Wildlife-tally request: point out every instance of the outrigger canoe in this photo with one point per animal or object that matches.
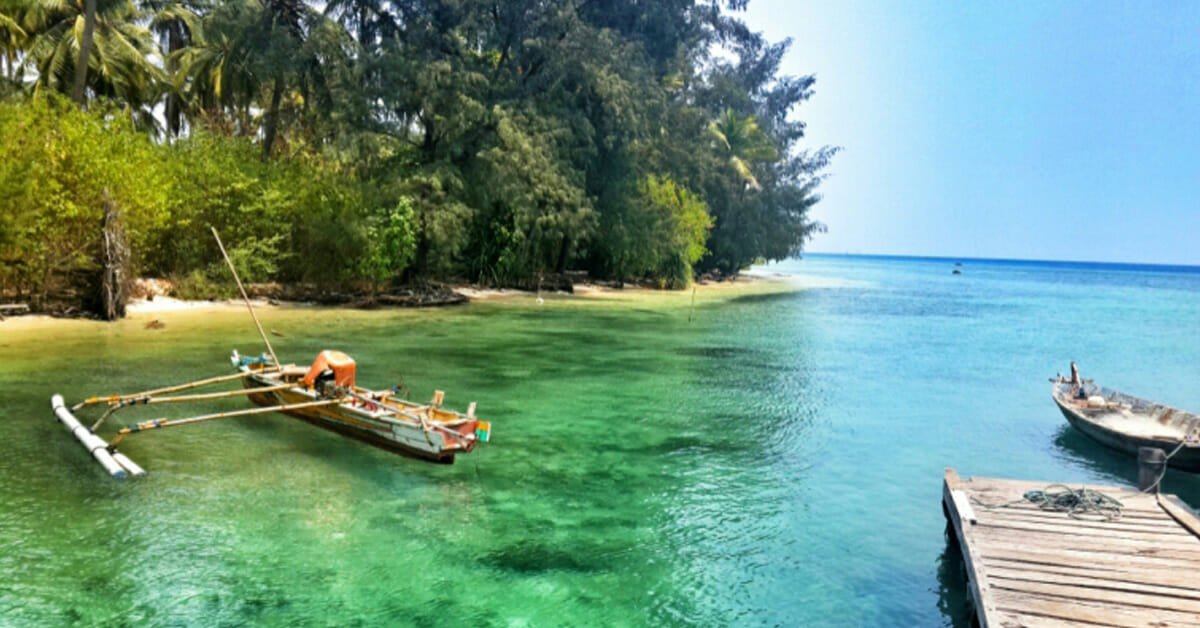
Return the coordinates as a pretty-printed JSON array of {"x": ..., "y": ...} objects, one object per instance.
[
  {"x": 324, "y": 393},
  {"x": 1126, "y": 423},
  {"x": 423, "y": 430}
]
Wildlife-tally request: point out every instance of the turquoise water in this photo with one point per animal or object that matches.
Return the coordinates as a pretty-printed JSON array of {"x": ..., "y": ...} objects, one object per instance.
[{"x": 776, "y": 459}]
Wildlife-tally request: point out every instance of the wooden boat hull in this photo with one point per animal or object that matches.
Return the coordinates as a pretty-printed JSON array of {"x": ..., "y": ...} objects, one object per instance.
[
  {"x": 1126, "y": 429},
  {"x": 372, "y": 427}
]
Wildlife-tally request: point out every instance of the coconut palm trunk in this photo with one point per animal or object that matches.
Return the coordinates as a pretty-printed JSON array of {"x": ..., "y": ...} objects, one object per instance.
[{"x": 85, "y": 50}]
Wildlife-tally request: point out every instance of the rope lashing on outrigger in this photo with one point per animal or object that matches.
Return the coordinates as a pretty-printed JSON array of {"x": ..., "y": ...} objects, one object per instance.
[{"x": 1077, "y": 503}]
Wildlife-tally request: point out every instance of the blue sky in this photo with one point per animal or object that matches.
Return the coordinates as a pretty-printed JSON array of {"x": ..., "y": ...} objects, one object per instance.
[{"x": 1036, "y": 130}]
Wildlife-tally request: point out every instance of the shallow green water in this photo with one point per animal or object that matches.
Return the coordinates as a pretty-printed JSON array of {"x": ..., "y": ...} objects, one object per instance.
[{"x": 777, "y": 460}]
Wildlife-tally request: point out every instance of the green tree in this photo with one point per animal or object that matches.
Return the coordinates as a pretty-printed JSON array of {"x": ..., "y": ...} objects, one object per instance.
[
  {"x": 58, "y": 173},
  {"x": 13, "y": 42},
  {"x": 391, "y": 243},
  {"x": 740, "y": 141},
  {"x": 255, "y": 54},
  {"x": 353, "y": 140},
  {"x": 122, "y": 58},
  {"x": 174, "y": 23},
  {"x": 661, "y": 235}
]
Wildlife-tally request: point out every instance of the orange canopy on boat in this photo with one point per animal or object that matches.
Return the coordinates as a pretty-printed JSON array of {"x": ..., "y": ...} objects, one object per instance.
[{"x": 342, "y": 365}]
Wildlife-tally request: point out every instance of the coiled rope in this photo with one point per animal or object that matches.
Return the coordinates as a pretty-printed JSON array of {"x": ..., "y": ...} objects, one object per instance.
[{"x": 1079, "y": 503}]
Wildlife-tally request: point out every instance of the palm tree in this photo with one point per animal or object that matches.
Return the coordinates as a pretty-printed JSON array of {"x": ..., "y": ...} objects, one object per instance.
[
  {"x": 216, "y": 74},
  {"x": 253, "y": 52},
  {"x": 85, "y": 50},
  {"x": 370, "y": 20},
  {"x": 741, "y": 140},
  {"x": 119, "y": 52},
  {"x": 176, "y": 24},
  {"x": 13, "y": 40}
]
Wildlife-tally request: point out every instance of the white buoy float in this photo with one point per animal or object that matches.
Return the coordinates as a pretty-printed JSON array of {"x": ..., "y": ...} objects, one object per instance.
[{"x": 118, "y": 465}]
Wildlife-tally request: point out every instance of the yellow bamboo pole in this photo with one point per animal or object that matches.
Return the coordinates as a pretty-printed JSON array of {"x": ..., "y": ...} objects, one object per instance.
[
  {"x": 182, "y": 398},
  {"x": 160, "y": 423},
  {"x": 91, "y": 401},
  {"x": 245, "y": 298},
  {"x": 216, "y": 395}
]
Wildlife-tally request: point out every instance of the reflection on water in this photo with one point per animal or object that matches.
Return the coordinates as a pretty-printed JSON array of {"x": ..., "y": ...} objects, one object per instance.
[
  {"x": 954, "y": 593},
  {"x": 1114, "y": 467}
]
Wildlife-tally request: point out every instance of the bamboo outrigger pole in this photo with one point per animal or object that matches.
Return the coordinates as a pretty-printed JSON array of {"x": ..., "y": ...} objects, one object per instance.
[
  {"x": 147, "y": 400},
  {"x": 246, "y": 299},
  {"x": 161, "y": 423},
  {"x": 113, "y": 399}
]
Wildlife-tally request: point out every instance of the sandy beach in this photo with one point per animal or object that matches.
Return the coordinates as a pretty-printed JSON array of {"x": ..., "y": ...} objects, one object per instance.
[{"x": 750, "y": 283}]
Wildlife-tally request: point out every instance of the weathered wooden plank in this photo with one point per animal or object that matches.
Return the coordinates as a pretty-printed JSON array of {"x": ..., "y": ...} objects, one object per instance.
[
  {"x": 1127, "y": 516},
  {"x": 963, "y": 505},
  {"x": 1025, "y": 551},
  {"x": 1025, "y": 620},
  {"x": 1180, "y": 512},
  {"x": 1166, "y": 526},
  {"x": 1182, "y": 580},
  {"x": 1025, "y": 507},
  {"x": 1082, "y": 539},
  {"x": 1030, "y": 544},
  {"x": 1119, "y": 598},
  {"x": 984, "y": 610},
  {"x": 1068, "y": 528},
  {"x": 1094, "y": 580},
  {"x": 1085, "y": 613}
]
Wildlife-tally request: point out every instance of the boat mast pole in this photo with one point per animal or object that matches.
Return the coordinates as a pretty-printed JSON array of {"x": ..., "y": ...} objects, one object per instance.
[{"x": 245, "y": 298}]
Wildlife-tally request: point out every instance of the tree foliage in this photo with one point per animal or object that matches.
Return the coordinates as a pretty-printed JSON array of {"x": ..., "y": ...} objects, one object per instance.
[{"x": 433, "y": 138}]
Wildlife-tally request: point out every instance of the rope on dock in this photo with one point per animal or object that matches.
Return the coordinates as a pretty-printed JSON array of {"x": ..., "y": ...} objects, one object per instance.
[{"x": 1077, "y": 503}]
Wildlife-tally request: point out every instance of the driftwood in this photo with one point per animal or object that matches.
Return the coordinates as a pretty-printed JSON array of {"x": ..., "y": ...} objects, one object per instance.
[
  {"x": 13, "y": 309},
  {"x": 552, "y": 282},
  {"x": 413, "y": 299},
  {"x": 429, "y": 295}
]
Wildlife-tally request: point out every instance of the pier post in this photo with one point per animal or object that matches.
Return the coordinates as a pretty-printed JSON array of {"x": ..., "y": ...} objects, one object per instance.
[{"x": 1152, "y": 463}]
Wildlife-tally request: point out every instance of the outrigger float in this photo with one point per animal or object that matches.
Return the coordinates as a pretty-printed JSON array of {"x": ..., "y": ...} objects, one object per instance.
[{"x": 324, "y": 393}]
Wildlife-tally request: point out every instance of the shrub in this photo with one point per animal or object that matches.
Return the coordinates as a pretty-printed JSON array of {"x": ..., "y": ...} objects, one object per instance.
[{"x": 59, "y": 166}]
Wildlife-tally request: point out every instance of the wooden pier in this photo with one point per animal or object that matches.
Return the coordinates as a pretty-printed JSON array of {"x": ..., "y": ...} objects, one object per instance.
[{"x": 1031, "y": 567}]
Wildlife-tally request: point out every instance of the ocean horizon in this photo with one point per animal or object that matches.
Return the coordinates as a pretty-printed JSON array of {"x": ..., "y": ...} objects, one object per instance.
[{"x": 1080, "y": 264}]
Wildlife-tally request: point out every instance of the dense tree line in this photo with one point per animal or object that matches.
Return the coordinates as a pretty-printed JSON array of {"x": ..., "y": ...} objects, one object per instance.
[{"x": 372, "y": 140}]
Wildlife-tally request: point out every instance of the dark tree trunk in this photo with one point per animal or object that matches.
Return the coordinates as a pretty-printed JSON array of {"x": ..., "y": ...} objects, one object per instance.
[
  {"x": 174, "y": 108},
  {"x": 114, "y": 265},
  {"x": 564, "y": 251},
  {"x": 272, "y": 118},
  {"x": 85, "y": 50}
]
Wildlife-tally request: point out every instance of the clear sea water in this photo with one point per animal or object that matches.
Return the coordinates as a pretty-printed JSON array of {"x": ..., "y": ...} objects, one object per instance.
[{"x": 763, "y": 457}]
